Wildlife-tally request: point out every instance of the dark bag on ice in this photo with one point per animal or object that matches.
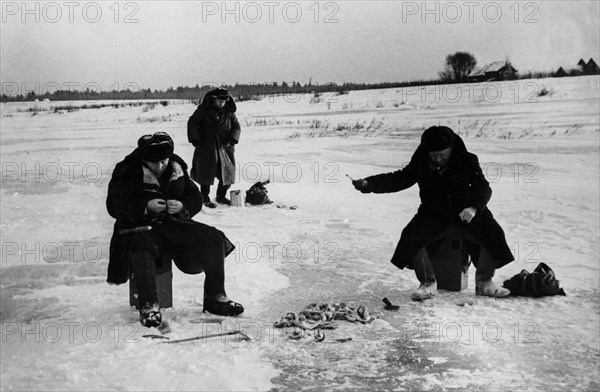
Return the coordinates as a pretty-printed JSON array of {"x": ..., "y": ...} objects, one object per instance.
[
  {"x": 541, "y": 282},
  {"x": 257, "y": 194}
]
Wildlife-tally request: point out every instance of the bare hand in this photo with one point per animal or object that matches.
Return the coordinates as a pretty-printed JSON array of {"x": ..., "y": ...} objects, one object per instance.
[
  {"x": 468, "y": 214},
  {"x": 174, "y": 206},
  {"x": 360, "y": 185},
  {"x": 156, "y": 206}
]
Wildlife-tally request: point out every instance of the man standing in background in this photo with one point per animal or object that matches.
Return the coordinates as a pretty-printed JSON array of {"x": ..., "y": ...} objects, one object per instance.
[{"x": 214, "y": 131}]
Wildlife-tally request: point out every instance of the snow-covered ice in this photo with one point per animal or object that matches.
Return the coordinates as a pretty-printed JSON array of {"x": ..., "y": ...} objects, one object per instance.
[{"x": 64, "y": 328}]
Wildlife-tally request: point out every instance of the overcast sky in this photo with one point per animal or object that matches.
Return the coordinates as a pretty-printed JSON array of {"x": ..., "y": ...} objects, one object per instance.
[{"x": 192, "y": 42}]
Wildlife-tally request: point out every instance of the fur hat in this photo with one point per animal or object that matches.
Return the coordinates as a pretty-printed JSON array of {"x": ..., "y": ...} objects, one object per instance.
[
  {"x": 154, "y": 148},
  {"x": 437, "y": 138},
  {"x": 220, "y": 93}
]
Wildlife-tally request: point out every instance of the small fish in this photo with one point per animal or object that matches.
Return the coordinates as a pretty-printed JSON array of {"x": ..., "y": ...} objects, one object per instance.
[
  {"x": 296, "y": 334},
  {"x": 291, "y": 316},
  {"x": 325, "y": 325},
  {"x": 343, "y": 340},
  {"x": 154, "y": 336},
  {"x": 319, "y": 335},
  {"x": 363, "y": 313}
]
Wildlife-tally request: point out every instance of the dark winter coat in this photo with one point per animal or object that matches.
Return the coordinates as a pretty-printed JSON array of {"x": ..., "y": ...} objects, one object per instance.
[
  {"x": 443, "y": 197},
  {"x": 130, "y": 189},
  {"x": 214, "y": 133}
]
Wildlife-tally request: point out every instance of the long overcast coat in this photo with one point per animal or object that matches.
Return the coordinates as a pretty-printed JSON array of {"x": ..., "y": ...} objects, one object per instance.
[
  {"x": 130, "y": 189},
  {"x": 214, "y": 133},
  {"x": 443, "y": 197}
]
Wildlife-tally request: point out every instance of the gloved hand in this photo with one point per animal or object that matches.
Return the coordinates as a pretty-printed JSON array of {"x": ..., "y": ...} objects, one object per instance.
[
  {"x": 468, "y": 214},
  {"x": 361, "y": 185},
  {"x": 174, "y": 206},
  {"x": 156, "y": 206}
]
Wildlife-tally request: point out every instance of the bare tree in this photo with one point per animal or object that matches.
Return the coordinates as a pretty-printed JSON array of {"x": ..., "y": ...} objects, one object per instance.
[
  {"x": 446, "y": 75},
  {"x": 459, "y": 65}
]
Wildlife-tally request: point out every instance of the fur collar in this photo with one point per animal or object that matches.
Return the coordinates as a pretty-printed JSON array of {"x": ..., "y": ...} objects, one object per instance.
[{"x": 150, "y": 177}]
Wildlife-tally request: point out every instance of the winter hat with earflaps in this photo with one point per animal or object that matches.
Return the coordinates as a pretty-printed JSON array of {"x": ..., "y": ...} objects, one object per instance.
[
  {"x": 437, "y": 138},
  {"x": 154, "y": 148},
  {"x": 220, "y": 93}
]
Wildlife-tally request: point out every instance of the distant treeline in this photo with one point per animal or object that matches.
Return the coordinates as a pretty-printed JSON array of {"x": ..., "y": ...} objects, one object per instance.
[{"x": 241, "y": 92}]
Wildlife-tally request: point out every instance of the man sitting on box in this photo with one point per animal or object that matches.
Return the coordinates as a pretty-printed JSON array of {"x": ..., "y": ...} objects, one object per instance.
[
  {"x": 151, "y": 188},
  {"x": 454, "y": 193}
]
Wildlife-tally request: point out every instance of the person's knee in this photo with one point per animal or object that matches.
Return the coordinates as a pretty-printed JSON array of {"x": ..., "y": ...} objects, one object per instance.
[{"x": 190, "y": 264}]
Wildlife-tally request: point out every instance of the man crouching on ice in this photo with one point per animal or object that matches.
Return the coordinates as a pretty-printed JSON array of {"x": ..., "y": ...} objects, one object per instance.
[
  {"x": 454, "y": 194},
  {"x": 151, "y": 187}
]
